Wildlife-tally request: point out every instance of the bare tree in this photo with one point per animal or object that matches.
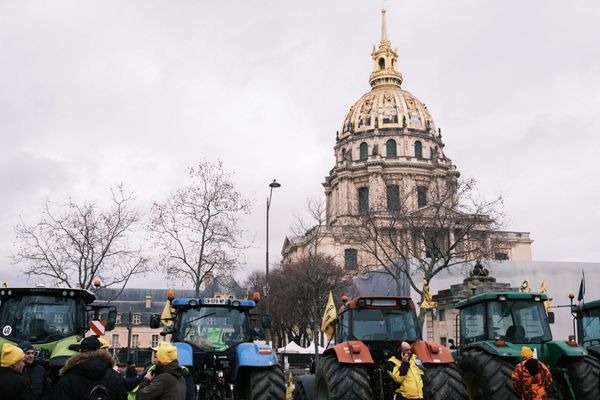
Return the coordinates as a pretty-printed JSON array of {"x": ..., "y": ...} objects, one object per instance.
[
  {"x": 197, "y": 228},
  {"x": 452, "y": 226},
  {"x": 315, "y": 227},
  {"x": 298, "y": 307},
  {"x": 81, "y": 242}
]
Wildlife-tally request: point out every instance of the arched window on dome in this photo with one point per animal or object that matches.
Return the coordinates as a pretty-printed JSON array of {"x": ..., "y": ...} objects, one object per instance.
[
  {"x": 364, "y": 151},
  {"x": 418, "y": 150},
  {"x": 393, "y": 197},
  {"x": 343, "y": 154},
  {"x": 391, "y": 148},
  {"x": 381, "y": 63}
]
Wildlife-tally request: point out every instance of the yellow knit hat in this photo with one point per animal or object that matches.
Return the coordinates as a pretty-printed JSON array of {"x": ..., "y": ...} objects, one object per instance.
[
  {"x": 526, "y": 352},
  {"x": 166, "y": 354},
  {"x": 103, "y": 342},
  {"x": 11, "y": 355}
]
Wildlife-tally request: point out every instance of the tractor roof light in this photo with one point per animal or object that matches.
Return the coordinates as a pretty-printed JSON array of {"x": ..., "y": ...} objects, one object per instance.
[
  {"x": 193, "y": 303},
  {"x": 502, "y": 297},
  {"x": 256, "y": 297},
  {"x": 170, "y": 294},
  {"x": 500, "y": 343},
  {"x": 537, "y": 298},
  {"x": 71, "y": 293},
  {"x": 344, "y": 299},
  {"x": 235, "y": 303},
  {"x": 64, "y": 293},
  {"x": 571, "y": 342},
  {"x": 265, "y": 351},
  {"x": 2, "y": 292},
  {"x": 361, "y": 303}
]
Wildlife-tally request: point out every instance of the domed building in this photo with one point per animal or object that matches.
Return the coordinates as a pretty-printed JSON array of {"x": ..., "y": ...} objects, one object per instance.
[{"x": 389, "y": 155}]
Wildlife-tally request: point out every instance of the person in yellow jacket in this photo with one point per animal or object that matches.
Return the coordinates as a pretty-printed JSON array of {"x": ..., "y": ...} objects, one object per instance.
[{"x": 405, "y": 368}]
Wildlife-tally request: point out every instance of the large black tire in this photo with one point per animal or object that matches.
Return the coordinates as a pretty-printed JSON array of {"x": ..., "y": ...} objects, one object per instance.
[
  {"x": 337, "y": 381},
  {"x": 299, "y": 392},
  {"x": 444, "y": 382},
  {"x": 487, "y": 377},
  {"x": 584, "y": 374},
  {"x": 266, "y": 384}
]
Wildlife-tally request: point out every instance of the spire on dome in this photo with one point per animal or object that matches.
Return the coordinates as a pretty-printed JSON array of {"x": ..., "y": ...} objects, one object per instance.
[
  {"x": 384, "y": 35},
  {"x": 384, "y": 61}
]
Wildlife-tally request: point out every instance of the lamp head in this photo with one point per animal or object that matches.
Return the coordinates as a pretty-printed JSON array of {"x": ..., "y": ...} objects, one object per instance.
[{"x": 274, "y": 184}]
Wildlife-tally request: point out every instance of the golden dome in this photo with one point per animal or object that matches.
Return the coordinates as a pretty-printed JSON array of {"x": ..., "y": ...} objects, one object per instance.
[{"x": 387, "y": 105}]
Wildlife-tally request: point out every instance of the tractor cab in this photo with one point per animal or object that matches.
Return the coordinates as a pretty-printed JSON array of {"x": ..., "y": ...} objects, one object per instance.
[
  {"x": 379, "y": 322},
  {"x": 510, "y": 317},
  {"x": 213, "y": 325},
  {"x": 52, "y": 319},
  {"x": 588, "y": 326}
]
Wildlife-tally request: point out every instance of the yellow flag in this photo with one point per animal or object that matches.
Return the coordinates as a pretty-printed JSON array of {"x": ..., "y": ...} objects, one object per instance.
[
  {"x": 427, "y": 297},
  {"x": 544, "y": 290},
  {"x": 166, "y": 317},
  {"x": 289, "y": 391},
  {"x": 329, "y": 317}
]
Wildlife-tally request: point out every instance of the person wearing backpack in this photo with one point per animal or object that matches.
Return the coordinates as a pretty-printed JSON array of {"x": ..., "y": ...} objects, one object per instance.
[
  {"x": 166, "y": 381},
  {"x": 89, "y": 375}
]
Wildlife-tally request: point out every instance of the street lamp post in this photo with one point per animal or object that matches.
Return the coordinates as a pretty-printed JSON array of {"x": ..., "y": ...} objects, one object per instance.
[{"x": 272, "y": 185}]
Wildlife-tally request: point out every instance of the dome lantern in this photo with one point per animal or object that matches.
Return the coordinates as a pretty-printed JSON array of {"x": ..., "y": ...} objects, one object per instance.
[{"x": 385, "y": 61}]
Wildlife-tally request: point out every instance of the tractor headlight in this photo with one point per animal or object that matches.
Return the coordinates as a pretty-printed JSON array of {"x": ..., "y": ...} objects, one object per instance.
[
  {"x": 235, "y": 303},
  {"x": 193, "y": 303}
]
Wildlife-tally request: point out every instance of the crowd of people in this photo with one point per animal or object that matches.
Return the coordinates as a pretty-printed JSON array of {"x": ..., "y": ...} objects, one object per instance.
[{"x": 91, "y": 373}]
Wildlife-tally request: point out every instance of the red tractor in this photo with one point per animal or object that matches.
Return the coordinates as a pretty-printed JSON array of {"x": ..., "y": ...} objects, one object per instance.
[{"x": 367, "y": 330}]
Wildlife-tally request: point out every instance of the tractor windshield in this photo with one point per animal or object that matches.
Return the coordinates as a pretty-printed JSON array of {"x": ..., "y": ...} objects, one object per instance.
[
  {"x": 214, "y": 328},
  {"x": 518, "y": 321},
  {"x": 591, "y": 327},
  {"x": 39, "y": 319},
  {"x": 380, "y": 324}
]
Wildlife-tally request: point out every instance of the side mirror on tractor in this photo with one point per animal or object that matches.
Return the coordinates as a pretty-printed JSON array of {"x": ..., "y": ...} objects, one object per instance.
[
  {"x": 265, "y": 321},
  {"x": 155, "y": 321},
  {"x": 111, "y": 320},
  {"x": 550, "y": 317}
]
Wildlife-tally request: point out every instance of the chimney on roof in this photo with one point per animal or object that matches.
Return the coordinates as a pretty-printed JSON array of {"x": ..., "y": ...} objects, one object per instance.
[{"x": 148, "y": 301}]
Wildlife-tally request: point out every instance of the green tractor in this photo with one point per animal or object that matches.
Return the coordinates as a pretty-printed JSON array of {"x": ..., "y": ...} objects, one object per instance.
[
  {"x": 588, "y": 326},
  {"x": 52, "y": 319},
  {"x": 494, "y": 327}
]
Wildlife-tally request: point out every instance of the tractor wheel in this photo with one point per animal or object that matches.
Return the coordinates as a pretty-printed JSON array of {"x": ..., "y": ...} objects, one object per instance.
[
  {"x": 299, "y": 392},
  {"x": 487, "y": 377},
  {"x": 584, "y": 374},
  {"x": 444, "y": 382},
  {"x": 337, "y": 381},
  {"x": 266, "y": 384}
]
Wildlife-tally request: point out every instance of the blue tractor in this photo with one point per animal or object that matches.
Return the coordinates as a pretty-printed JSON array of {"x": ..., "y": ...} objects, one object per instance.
[{"x": 214, "y": 337}]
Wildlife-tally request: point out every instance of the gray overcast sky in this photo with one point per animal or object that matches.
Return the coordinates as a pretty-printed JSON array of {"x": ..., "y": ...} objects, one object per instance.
[{"x": 94, "y": 93}]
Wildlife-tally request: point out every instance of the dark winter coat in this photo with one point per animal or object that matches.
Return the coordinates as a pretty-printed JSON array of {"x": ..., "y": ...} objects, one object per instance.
[
  {"x": 85, "y": 370},
  {"x": 37, "y": 377},
  {"x": 14, "y": 386},
  {"x": 168, "y": 384}
]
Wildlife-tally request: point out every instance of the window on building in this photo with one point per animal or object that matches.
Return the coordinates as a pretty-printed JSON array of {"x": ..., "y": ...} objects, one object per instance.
[
  {"x": 501, "y": 256},
  {"x": 363, "y": 200},
  {"x": 343, "y": 154},
  {"x": 443, "y": 341},
  {"x": 58, "y": 318},
  {"x": 154, "y": 341},
  {"x": 136, "y": 319},
  {"x": 119, "y": 319},
  {"x": 421, "y": 196},
  {"x": 442, "y": 315},
  {"x": 381, "y": 63},
  {"x": 393, "y": 198},
  {"x": 418, "y": 150},
  {"x": 350, "y": 259},
  {"x": 114, "y": 341},
  {"x": 135, "y": 341},
  {"x": 364, "y": 151},
  {"x": 390, "y": 148}
]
